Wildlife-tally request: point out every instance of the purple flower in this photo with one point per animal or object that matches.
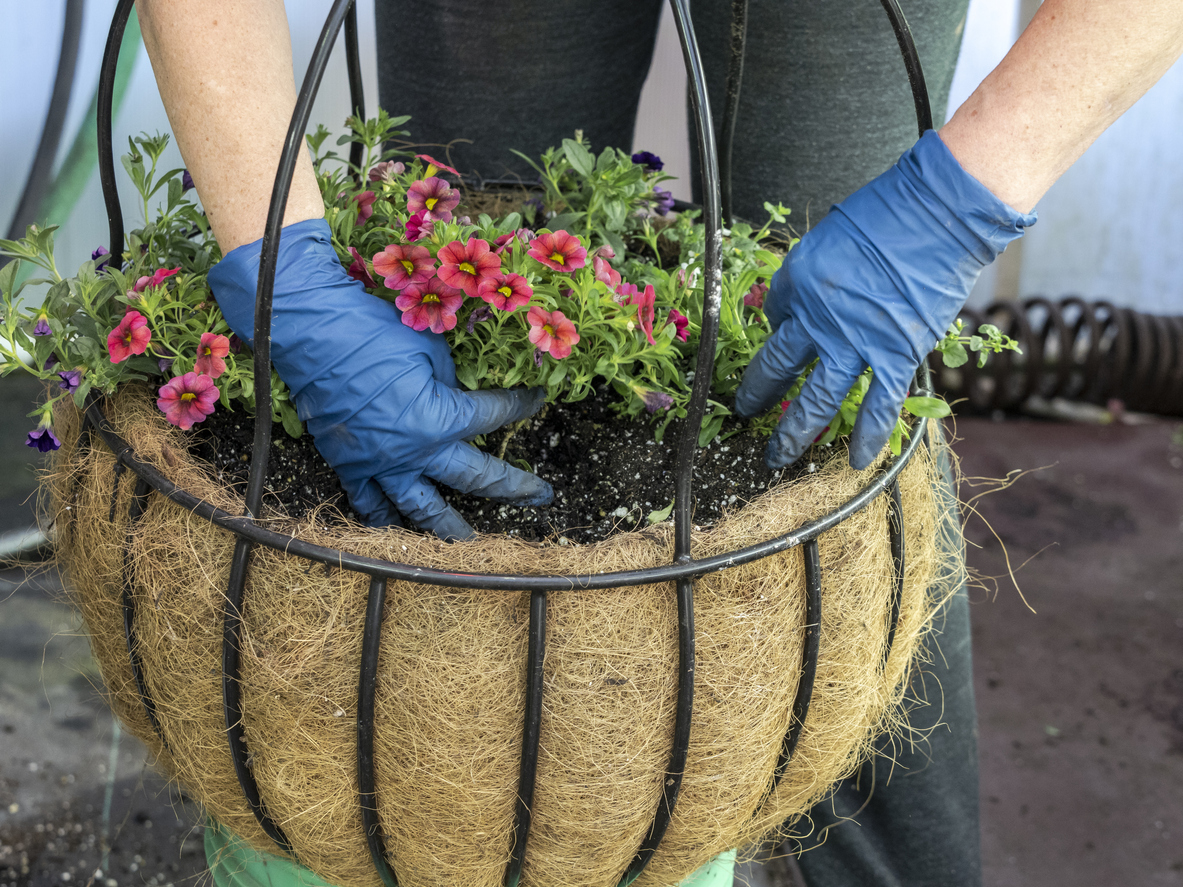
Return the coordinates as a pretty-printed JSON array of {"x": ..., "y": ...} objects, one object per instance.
[
  {"x": 99, "y": 253},
  {"x": 70, "y": 379},
  {"x": 537, "y": 357},
  {"x": 649, "y": 160},
  {"x": 386, "y": 171},
  {"x": 165, "y": 364},
  {"x": 665, "y": 201},
  {"x": 480, "y": 315},
  {"x": 653, "y": 400},
  {"x": 50, "y": 363},
  {"x": 186, "y": 181},
  {"x": 235, "y": 344},
  {"x": 42, "y": 328},
  {"x": 43, "y": 439}
]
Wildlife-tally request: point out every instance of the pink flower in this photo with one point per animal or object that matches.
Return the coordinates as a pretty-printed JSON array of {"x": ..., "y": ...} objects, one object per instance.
[
  {"x": 605, "y": 273},
  {"x": 754, "y": 298},
  {"x": 505, "y": 291},
  {"x": 365, "y": 206},
  {"x": 401, "y": 265},
  {"x": 645, "y": 310},
  {"x": 187, "y": 399},
  {"x": 552, "y": 332},
  {"x": 159, "y": 276},
  {"x": 433, "y": 162},
  {"x": 558, "y": 250},
  {"x": 681, "y": 323},
  {"x": 434, "y": 198},
  {"x": 430, "y": 306},
  {"x": 386, "y": 171},
  {"x": 465, "y": 265},
  {"x": 210, "y": 354},
  {"x": 505, "y": 241},
  {"x": 359, "y": 270},
  {"x": 418, "y": 227},
  {"x": 130, "y": 337}
]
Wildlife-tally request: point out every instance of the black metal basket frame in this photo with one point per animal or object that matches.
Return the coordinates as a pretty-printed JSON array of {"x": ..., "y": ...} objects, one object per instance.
[{"x": 716, "y": 189}]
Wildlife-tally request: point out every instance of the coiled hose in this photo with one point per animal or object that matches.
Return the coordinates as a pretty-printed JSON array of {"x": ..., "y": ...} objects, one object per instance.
[{"x": 1083, "y": 351}]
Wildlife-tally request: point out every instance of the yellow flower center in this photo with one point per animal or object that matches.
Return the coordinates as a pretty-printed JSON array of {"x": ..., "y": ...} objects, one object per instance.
[
  {"x": 430, "y": 297},
  {"x": 558, "y": 258},
  {"x": 409, "y": 265},
  {"x": 467, "y": 268},
  {"x": 205, "y": 352},
  {"x": 430, "y": 202},
  {"x": 505, "y": 291},
  {"x": 548, "y": 329},
  {"x": 188, "y": 396}
]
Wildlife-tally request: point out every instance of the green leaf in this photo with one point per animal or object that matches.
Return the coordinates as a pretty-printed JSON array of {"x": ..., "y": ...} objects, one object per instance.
[
  {"x": 564, "y": 220},
  {"x": 953, "y": 353},
  {"x": 579, "y": 157},
  {"x": 927, "y": 407},
  {"x": 291, "y": 421},
  {"x": 656, "y": 517}
]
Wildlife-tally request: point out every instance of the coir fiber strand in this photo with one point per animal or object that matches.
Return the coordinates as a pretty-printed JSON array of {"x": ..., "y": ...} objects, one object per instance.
[{"x": 450, "y": 698}]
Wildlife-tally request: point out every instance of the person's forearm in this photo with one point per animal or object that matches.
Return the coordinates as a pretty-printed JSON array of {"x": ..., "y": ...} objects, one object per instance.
[
  {"x": 224, "y": 69},
  {"x": 1077, "y": 68}
]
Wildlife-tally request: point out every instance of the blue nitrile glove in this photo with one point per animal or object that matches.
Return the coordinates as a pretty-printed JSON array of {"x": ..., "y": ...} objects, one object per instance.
[
  {"x": 380, "y": 399},
  {"x": 876, "y": 283}
]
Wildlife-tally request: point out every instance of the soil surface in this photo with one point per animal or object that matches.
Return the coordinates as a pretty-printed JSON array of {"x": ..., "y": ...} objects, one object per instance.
[{"x": 609, "y": 474}]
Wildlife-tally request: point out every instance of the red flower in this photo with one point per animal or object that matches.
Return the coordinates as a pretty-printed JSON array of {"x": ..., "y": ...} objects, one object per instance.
[
  {"x": 505, "y": 241},
  {"x": 365, "y": 207},
  {"x": 754, "y": 298},
  {"x": 431, "y": 160},
  {"x": 159, "y": 276},
  {"x": 465, "y": 265},
  {"x": 401, "y": 265},
  {"x": 605, "y": 273},
  {"x": 187, "y": 399},
  {"x": 359, "y": 270},
  {"x": 505, "y": 291},
  {"x": 418, "y": 227},
  {"x": 130, "y": 337},
  {"x": 552, "y": 332},
  {"x": 210, "y": 353},
  {"x": 645, "y": 311},
  {"x": 434, "y": 198},
  {"x": 432, "y": 305},
  {"x": 559, "y": 250},
  {"x": 681, "y": 323}
]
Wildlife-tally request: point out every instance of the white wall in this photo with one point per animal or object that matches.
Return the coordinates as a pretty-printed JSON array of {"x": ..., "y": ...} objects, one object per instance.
[{"x": 1112, "y": 227}]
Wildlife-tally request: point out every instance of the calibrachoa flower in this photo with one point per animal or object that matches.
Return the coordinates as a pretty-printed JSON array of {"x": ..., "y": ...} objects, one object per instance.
[
  {"x": 359, "y": 270},
  {"x": 71, "y": 379},
  {"x": 186, "y": 181},
  {"x": 644, "y": 302},
  {"x": 558, "y": 250},
  {"x": 465, "y": 265},
  {"x": 649, "y": 160},
  {"x": 235, "y": 344},
  {"x": 418, "y": 227},
  {"x": 188, "y": 399},
  {"x": 386, "y": 171},
  {"x": 664, "y": 201},
  {"x": 480, "y": 315},
  {"x": 42, "y": 327},
  {"x": 430, "y": 306},
  {"x": 434, "y": 198},
  {"x": 653, "y": 400},
  {"x": 505, "y": 291},
  {"x": 681, "y": 323},
  {"x": 159, "y": 276},
  {"x": 754, "y": 298},
  {"x": 210, "y": 354},
  {"x": 400, "y": 266},
  {"x": 605, "y": 273},
  {"x": 552, "y": 332},
  {"x": 99, "y": 253},
  {"x": 505, "y": 241},
  {"x": 42, "y": 439},
  {"x": 164, "y": 364},
  {"x": 365, "y": 206},
  {"x": 431, "y": 160},
  {"x": 130, "y": 337}
]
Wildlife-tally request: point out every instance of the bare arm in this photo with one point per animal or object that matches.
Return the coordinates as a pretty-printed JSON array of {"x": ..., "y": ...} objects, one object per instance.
[
  {"x": 1077, "y": 68},
  {"x": 224, "y": 69}
]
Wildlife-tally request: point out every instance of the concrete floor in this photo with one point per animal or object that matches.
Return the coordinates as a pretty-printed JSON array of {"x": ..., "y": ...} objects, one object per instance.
[{"x": 1081, "y": 702}]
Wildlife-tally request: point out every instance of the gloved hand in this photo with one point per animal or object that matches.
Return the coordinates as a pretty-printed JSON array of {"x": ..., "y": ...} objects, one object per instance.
[
  {"x": 876, "y": 283},
  {"x": 380, "y": 399}
]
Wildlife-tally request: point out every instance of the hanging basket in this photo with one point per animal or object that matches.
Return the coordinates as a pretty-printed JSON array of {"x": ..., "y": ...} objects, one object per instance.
[{"x": 449, "y": 701}]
